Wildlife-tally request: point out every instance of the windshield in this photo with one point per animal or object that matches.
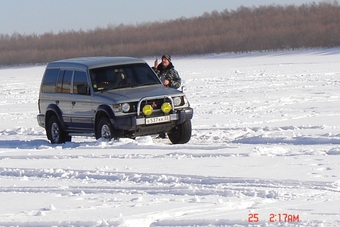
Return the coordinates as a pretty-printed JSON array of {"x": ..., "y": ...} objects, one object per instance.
[{"x": 115, "y": 77}]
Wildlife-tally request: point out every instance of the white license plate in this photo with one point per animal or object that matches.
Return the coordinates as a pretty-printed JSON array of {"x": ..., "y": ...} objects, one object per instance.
[{"x": 155, "y": 120}]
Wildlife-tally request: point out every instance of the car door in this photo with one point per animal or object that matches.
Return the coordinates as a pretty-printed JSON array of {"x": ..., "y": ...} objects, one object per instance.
[
  {"x": 63, "y": 95},
  {"x": 82, "y": 114}
]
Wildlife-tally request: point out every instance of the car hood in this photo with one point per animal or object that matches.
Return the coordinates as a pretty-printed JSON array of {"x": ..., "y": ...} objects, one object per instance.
[{"x": 135, "y": 94}]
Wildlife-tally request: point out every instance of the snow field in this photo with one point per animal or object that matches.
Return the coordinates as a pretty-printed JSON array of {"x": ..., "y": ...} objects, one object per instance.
[{"x": 265, "y": 151}]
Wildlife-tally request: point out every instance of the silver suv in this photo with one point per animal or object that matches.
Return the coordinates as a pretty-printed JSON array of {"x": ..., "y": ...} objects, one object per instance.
[{"x": 110, "y": 97}]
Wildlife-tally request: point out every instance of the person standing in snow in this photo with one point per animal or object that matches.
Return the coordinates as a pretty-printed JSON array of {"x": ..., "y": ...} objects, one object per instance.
[
  {"x": 168, "y": 75},
  {"x": 166, "y": 72}
]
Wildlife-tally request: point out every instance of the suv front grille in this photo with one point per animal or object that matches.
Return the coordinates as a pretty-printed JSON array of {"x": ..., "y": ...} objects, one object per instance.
[{"x": 156, "y": 104}]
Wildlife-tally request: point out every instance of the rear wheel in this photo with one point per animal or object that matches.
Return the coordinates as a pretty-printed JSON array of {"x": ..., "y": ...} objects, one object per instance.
[
  {"x": 54, "y": 131},
  {"x": 181, "y": 133},
  {"x": 104, "y": 129}
]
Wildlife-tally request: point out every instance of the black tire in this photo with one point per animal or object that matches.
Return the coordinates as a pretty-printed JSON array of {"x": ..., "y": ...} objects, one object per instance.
[
  {"x": 54, "y": 131},
  {"x": 104, "y": 129},
  {"x": 181, "y": 133}
]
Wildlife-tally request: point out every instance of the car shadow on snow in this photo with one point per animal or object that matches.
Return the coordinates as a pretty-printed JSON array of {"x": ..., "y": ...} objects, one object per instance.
[{"x": 33, "y": 144}]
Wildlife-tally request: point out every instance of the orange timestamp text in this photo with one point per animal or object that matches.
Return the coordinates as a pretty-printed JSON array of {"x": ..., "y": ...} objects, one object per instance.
[{"x": 280, "y": 217}]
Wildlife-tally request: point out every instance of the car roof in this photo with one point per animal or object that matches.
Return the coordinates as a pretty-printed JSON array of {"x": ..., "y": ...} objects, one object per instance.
[{"x": 93, "y": 62}]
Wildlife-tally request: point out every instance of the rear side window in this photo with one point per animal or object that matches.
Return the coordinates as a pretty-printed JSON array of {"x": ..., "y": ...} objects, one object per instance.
[
  {"x": 64, "y": 81},
  {"x": 49, "y": 82}
]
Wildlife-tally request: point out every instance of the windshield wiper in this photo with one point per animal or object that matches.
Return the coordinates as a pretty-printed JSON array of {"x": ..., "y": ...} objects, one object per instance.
[{"x": 148, "y": 83}]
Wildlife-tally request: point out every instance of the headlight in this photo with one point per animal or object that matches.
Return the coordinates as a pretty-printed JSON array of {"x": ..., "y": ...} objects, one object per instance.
[
  {"x": 125, "y": 107},
  {"x": 166, "y": 107},
  {"x": 177, "y": 101},
  {"x": 147, "y": 110}
]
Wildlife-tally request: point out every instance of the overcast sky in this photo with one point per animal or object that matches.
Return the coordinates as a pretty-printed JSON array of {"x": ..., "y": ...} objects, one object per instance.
[{"x": 40, "y": 16}]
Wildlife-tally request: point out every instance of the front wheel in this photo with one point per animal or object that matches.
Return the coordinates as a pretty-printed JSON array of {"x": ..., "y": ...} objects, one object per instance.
[
  {"x": 104, "y": 129},
  {"x": 181, "y": 133}
]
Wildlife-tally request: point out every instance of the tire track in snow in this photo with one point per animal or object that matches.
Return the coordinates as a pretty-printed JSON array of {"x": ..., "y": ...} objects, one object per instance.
[{"x": 164, "y": 183}]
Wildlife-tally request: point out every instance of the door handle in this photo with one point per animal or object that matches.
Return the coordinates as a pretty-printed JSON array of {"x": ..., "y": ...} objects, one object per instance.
[
  {"x": 73, "y": 103},
  {"x": 57, "y": 102}
]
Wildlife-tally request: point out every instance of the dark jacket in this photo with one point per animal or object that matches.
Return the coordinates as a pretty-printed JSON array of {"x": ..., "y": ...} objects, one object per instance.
[{"x": 168, "y": 73}]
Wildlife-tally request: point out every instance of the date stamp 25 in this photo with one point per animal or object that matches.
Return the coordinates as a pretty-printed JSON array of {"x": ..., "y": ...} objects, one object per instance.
[{"x": 279, "y": 217}]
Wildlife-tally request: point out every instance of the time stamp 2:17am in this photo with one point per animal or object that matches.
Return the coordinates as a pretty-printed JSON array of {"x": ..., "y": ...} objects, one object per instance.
[{"x": 254, "y": 217}]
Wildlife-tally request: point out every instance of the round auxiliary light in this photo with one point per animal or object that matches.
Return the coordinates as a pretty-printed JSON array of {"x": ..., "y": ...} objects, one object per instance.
[
  {"x": 147, "y": 110},
  {"x": 125, "y": 107},
  {"x": 177, "y": 101},
  {"x": 166, "y": 107}
]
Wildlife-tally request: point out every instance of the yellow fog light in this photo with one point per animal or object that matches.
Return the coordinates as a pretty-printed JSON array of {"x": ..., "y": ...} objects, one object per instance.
[
  {"x": 147, "y": 110},
  {"x": 166, "y": 107}
]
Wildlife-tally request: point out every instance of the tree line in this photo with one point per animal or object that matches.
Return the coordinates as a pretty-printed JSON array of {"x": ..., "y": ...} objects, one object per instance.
[{"x": 273, "y": 27}]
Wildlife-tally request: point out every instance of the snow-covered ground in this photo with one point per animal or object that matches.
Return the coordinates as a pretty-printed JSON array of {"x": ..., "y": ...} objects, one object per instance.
[{"x": 265, "y": 151}]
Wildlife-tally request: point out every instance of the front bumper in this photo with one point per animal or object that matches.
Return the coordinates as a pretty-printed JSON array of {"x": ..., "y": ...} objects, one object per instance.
[{"x": 139, "y": 125}]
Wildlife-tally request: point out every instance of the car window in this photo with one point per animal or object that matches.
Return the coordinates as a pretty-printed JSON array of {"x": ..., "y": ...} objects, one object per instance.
[
  {"x": 114, "y": 77},
  {"x": 50, "y": 80},
  {"x": 80, "y": 84},
  {"x": 145, "y": 75},
  {"x": 64, "y": 81}
]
